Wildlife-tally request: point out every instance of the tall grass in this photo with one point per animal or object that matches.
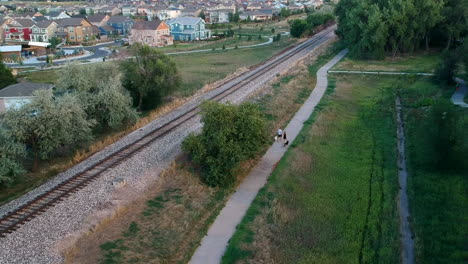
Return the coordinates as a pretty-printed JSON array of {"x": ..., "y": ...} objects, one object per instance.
[{"x": 438, "y": 198}]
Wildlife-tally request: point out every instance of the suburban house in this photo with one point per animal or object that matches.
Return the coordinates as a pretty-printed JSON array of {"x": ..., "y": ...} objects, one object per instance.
[
  {"x": 19, "y": 30},
  {"x": 122, "y": 24},
  {"x": 57, "y": 15},
  {"x": 110, "y": 10},
  {"x": 17, "y": 95},
  {"x": 75, "y": 30},
  {"x": 152, "y": 33},
  {"x": 107, "y": 31},
  {"x": 129, "y": 10},
  {"x": 190, "y": 11},
  {"x": 255, "y": 15},
  {"x": 98, "y": 20},
  {"x": 43, "y": 31},
  {"x": 188, "y": 28},
  {"x": 10, "y": 53},
  {"x": 218, "y": 16},
  {"x": 3, "y": 25}
]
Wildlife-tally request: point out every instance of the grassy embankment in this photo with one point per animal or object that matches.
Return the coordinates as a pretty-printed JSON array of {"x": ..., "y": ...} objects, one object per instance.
[
  {"x": 414, "y": 63},
  {"x": 196, "y": 70},
  {"x": 438, "y": 198},
  {"x": 316, "y": 206},
  {"x": 168, "y": 226}
]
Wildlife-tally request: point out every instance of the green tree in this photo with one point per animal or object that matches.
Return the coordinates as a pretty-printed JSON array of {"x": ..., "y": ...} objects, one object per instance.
[
  {"x": 11, "y": 153},
  {"x": 230, "y": 134},
  {"x": 91, "y": 12},
  {"x": 82, "y": 11},
  {"x": 272, "y": 30},
  {"x": 454, "y": 24},
  {"x": 99, "y": 89},
  {"x": 149, "y": 75},
  {"x": 6, "y": 77},
  {"x": 298, "y": 27},
  {"x": 450, "y": 65},
  {"x": 202, "y": 15},
  {"x": 48, "y": 123}
]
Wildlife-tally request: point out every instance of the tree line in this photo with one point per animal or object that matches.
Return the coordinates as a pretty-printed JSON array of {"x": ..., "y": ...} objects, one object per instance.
[
  {"x": 88, "y": 101},
  {"x": 375, "y": 28},
  {"x": 309, "y": 26}
]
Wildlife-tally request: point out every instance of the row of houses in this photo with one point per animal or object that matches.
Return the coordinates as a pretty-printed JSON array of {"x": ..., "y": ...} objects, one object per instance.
[
  {"x": 216, "y": 11},
  {"x": 70, "y": 29},
  {"x": 162, "y": 33}
]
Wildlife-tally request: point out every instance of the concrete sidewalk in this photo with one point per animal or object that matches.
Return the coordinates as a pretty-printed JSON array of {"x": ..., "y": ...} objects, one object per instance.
[
  {"x": 459, "y": 95},
  {"x": 214, "y": 244}
]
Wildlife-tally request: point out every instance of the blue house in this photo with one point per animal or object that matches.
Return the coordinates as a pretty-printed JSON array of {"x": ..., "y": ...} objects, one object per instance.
[
  {"x": 188, "y": 28},
  {"x": 123, "y": 25}
]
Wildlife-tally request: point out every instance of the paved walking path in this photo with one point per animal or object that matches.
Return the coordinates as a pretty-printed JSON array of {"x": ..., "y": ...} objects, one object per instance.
[
  {"x": 407, "y": 242},
  {"x": 384, "y": 73},
  {"x": 457, "y": 97},
  {"x": 214, "y": 243}
]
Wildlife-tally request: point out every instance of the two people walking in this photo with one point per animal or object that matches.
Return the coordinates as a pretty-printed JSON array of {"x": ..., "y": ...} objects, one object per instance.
[{"x": 282, "y": 135}]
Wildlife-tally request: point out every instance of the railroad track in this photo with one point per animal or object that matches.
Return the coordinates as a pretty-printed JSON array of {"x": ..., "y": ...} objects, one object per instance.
[{"x": 14, "y": 219}]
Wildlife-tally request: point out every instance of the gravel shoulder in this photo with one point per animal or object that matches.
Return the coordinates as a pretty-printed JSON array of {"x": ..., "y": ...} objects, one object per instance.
[{"x": 43, "y": 239}]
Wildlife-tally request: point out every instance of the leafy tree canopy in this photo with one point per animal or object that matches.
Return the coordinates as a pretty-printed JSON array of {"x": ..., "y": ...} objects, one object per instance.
[
  {"x": 149, "y": 76},
  {"x": 230, "y": 135},
  {"x": 48, "y": 123}
]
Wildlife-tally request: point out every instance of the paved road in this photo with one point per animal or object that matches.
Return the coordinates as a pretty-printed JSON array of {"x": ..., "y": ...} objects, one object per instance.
[
  {"x": 457, "y": 97},
  {"x": 99, "y": 53},
  {"x": 214, "y": 244}
]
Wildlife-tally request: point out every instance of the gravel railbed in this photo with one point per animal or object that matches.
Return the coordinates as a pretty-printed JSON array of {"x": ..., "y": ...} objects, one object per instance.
[{"x": 42, "y": 239}]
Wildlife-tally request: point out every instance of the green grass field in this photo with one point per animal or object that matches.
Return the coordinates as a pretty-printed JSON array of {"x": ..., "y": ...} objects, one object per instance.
[
  {"x": 408, "y": 63},
  {"x": 332, "y": 197},
  {"x": 228, "y": 42},
  {"x": 198, "y": 69},
  {"x": 438, "y": 198}
]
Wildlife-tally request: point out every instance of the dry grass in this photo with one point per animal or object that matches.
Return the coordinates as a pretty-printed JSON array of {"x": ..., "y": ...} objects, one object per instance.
[{"x": 179, "y": 206}]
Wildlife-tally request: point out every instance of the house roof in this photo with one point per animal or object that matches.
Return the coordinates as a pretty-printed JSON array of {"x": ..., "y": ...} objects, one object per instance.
[
  {"x": 39, "y": 18},
  {"x": 184, "y": 20},
  {"x": 44, "y": 24},
  {"x": 118, "y": 19},
  {"x": 23, "y": 89},
  {"x": 146, "y": 25},
  {"x": 25, "y": 22},
  {"x": 96, "y": 18},
  {"x": 74, "y": 21},
  {"x": 107, "y": 28},
  {"x": 54, "y": 13},
  {"x": 10, "y": 48}
]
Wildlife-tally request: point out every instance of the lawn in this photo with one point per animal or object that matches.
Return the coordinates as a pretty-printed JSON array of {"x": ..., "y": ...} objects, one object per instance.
[
  {"x": 418, "y": 62},
  {"x": 198, "y": 69},
  {"x": 47, "y": 76},
  {"x": 168, "y": 226},
  {"x": 331, "y": 198},
  {"x": 218, "y": 44},
  {"x": 438, "y": 197}
]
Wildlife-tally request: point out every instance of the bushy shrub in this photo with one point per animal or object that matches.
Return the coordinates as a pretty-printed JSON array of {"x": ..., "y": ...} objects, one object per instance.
[{"x": 230, "y": 135}]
